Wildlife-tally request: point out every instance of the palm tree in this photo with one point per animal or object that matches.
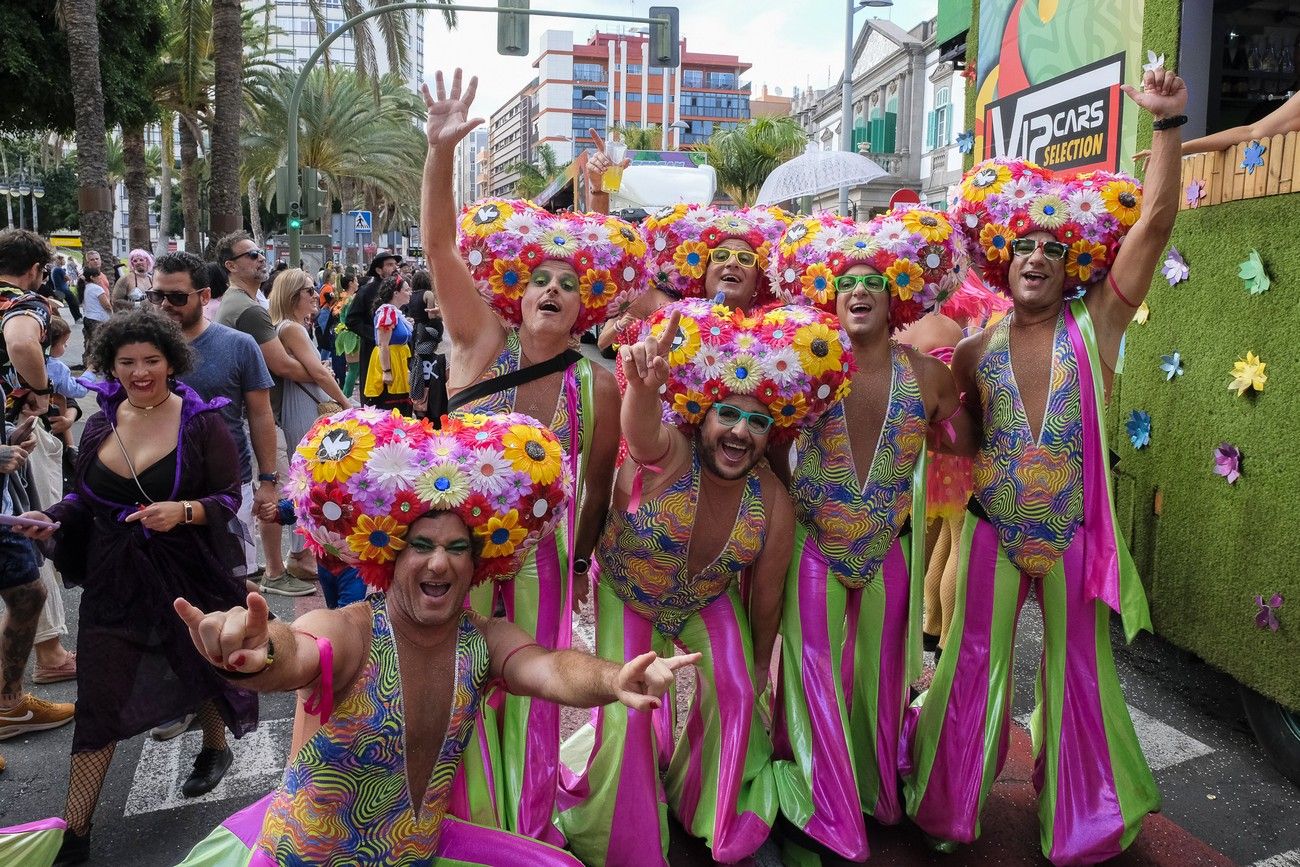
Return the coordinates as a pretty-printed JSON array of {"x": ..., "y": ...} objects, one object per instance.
[
  {"x": 228, "y": 62},
  {"x": 81, "y": 24},
  {"x": 535, "y": 177},
  {"x": 637, "y": 138},
  {"x": 394, "y": 31},
  {"x": 743, "y": 157}
]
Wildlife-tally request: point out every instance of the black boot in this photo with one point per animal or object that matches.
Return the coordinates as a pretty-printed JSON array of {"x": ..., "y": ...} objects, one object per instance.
[
  {"x": 75, "y": 848},
  {"x": 209, "y": 767}
]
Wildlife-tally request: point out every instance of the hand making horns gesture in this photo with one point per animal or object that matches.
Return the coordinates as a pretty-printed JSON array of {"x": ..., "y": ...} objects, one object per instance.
[{"x": 235, "y": 640}]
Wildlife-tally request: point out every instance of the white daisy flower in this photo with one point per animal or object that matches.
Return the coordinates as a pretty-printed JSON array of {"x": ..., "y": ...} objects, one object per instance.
[
  {"x": 1019, "y": 191},
  {"x": 393, "y": 466},
  {"x": 1085, "y": 205},
  {"x": 525, "y": 226},
  {"x": 783, "y": 366},
  {"x": 488, "y": 470}
]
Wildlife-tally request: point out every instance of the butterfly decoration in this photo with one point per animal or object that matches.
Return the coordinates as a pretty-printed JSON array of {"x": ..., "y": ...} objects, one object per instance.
[
  {"x": 1253, "y": 274},
  {"x": 1266, "y": 617},
  {"x": 1227, "y": 462},
  {"x": 1172, "y": 365},
  {"x": 1175, "y": 268},
  {"x": 1139, "y": 428},
  {"x": 1253, "y": 157},
  {"x": 1194, "y": 193},
  {"x": 966, "y": 141}
]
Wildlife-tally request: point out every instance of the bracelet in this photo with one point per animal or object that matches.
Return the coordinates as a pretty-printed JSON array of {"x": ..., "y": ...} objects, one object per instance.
[
  {"x": 189, "y": 511},
  {"x": 1110, "y": 277},
  {"x": 581, "y": 566},
  {"x": 510, "y": 656},
  {"x": 1173, "y": 122},
  {"x": 270, "y": 660},
  {"x": 268, "y": 477}
]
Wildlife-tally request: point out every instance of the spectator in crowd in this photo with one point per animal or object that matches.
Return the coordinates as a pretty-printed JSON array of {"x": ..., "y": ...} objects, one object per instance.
[
  {"x": 67, "y": 391},
  {"x": 347, "y": 342},
  {"x": 59, "y": 278},
  {"x": 128, "y": 291},
  {"x": 360, "y": 317},
  {"x": 151, "y": 518},
  {"x": 428, "y": 365},
  {"x": 388, "y": 377},
  {"x": 218, "y": 282},
  {"x": 97, "y": 307}
]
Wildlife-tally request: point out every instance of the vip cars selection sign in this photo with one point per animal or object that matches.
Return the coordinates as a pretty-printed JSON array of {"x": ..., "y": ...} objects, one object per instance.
[{"x": 1069, "y": 122}]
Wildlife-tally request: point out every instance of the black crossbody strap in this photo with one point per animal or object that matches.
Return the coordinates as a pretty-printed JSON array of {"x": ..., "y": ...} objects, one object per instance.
[{"x": 514, "y": 379}]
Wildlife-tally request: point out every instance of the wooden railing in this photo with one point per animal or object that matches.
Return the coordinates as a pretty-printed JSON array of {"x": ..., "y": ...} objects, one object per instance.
[{"x": 1224, "y": 176}]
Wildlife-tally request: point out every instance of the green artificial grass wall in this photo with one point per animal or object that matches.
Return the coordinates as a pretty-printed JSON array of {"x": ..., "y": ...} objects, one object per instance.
[{"x": 1215, "y": 546}]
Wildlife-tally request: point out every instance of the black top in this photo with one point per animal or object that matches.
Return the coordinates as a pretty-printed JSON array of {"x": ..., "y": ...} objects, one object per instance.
[{"x": 156, "y": 480}]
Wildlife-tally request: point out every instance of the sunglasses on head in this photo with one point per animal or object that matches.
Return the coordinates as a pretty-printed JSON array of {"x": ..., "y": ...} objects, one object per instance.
[
  {"x": 175, "y": 299},
  {"x": 877, "y": 284},
  {"x": 723, "y": 255},
  {"x": 1027, "y": 246},
  {"x": 730, "y": 416}
]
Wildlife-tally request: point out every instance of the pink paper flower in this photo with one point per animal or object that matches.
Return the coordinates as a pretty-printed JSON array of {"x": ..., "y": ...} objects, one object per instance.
[{"x": 1227, "y": 462}]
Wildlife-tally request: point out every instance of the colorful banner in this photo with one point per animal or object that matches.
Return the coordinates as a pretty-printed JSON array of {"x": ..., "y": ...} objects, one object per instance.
[{"x": 1047, "y": 81}]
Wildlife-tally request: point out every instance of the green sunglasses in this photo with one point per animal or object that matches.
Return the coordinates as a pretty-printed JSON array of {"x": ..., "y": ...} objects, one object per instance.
[
  {"x": 1051, "y": 249},
  {"x": 877, "y": 284},
  {"x": 730, "y": 416}
]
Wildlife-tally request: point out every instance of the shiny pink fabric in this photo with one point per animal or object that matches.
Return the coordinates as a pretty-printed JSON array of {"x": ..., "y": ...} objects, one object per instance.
[{"x": 461, "y": 841}]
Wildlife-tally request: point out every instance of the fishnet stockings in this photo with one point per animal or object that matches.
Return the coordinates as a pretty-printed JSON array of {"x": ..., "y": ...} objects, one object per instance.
[
  {"x": 85, "y": 780},
  {"x": 214, "y": 727}
]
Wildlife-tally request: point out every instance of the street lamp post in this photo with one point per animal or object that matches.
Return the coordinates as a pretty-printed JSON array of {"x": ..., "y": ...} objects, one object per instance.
[
  {"x": 846, "y": 84},
  {"x": 9, "y": 206},
  {"x": 38, "y": 191}
]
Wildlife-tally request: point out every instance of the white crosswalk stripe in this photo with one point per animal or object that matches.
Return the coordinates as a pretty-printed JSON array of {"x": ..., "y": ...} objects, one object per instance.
[
  {"x": 1163, "y": 745},
  {"x": 1286, "y": 859}
]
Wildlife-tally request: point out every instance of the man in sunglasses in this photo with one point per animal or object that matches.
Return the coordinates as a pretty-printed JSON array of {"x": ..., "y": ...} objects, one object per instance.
[
  {"x": 692, "y": 510},
  {"x": 1042, "y": 518}
]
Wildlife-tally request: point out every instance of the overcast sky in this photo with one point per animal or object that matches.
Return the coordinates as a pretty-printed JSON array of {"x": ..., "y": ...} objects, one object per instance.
[{"x": 790, "y": 44}]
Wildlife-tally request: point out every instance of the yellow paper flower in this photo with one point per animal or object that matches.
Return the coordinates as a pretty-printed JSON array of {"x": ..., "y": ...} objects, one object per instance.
[
  {"x": 377, "y": 539},
  {"x": 691, "y": 258},
  {"x": 1248, "y": 374},
  {"x": 1143, "y": 314},
  {"x": 336, "y": 451},
  {"x": 906, "y": 277},
  {"x": 818, "y": 283},
  {"x": 530, "y": 452},
  {"x": 1049, "y": 212},
  {"x": 559, "y": 244},
  {"x": 486, "y": 219},
  {"x": 685, "y": 343},
  {"x": 1082, "y": 257},
  {"x": 472, "y": 419},
  {"x": 595, "y": 287},
  {"x": 932, "y": 226},
  {"x": 501, "y": 534},
  {"x": 509, "y": 277},
  {"x": 1124, "y": 200},
  {"x": 985, "y": 182},
  {"x": 798, "y": 235},
  {"x": 628, "y": 240},
  {"x": 443, "y": 486},
  {"x": 691, "y": 406},
  {"x": 818, "y": 347},
  {"x": 996, "y": 241}
]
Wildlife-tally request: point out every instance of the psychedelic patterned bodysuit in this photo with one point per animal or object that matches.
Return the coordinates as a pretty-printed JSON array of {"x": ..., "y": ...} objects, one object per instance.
[
  {"x": 855, "y": 526},
  {"x": 504, "y": 401},
  {"x": 643, "y": 555},
  {"x": 1031, "y": 491},
  {"x": 345, "y": 797}
]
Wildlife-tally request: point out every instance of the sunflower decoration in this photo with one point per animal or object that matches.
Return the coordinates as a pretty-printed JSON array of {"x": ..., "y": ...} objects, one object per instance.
[
  {"x": 1002, "y": 200},
  {"x": 508, "y": 506},
  {"x": 780, "y": 356},
  {"x": 915, "y": 247},
  {"x": 681, "y": 238},
  {"x": 504, "y": 242}
]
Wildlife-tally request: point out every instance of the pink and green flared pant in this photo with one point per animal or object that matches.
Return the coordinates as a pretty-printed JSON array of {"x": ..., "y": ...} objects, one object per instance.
[
  {"x": 1093, "y": 782},
  {"x": 719, "y": 783}
]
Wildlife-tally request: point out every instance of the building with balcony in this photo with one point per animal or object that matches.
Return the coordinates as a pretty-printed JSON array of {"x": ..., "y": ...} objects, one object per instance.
[
  {"x": 512, "y": 138},
  {"x": 888, "y": 111},
  {"x": 468, "y": 178}
]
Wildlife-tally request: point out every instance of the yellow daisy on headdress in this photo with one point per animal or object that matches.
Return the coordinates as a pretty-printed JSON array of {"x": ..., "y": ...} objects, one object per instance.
[
  {"x": 628, "y": 240},
  {"x": 818, "y": 347},
  {"x": 1082, "y": 257},
  {"x": 1124, "y": 201},
  {"x": 486, "y": 218},
  {"x": 691, "y": 258},
  {"x": 337, "y": 451},
  {"x": 818, "y": 283},
  {"x": 931, "y": 225},
  {"x": 377, "y": 539},
  {"x": 501, "y": 534},
  {"x": 906, "y": 277},
  {"x": 988, "y": 180},
  {"x": 798, "y": 235},
  {"x": 686, "y": 342},
  {"x": 743, "y": 374},
  {"x": 690, "y": 405},
  {"x": 595, "y": 287},
  {"x": 530, "y": 452},
  {"x": 788, "y": 412},
  {"x": 996, "y": 241}
]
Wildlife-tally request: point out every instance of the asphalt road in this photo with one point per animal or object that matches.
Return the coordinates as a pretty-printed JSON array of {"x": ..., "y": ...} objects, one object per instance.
[{"x": 1223, "y": 804}]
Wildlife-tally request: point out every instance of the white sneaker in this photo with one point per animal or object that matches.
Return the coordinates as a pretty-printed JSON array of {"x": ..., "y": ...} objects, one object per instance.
[{"x": 175, "y": 728}]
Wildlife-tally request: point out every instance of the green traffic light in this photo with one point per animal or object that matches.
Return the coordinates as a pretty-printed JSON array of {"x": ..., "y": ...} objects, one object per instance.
[{"x": 295, "y": 223}]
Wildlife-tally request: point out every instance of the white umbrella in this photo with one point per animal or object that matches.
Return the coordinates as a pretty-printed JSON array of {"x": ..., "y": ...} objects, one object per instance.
[{"x": 817, "y": 171}]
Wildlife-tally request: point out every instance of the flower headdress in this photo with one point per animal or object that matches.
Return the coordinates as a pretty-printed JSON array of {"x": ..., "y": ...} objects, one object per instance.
[
  {"x": 795, "y": 360},
  {"x": 503, "y": 241},
  {"x": 362, "y": 476},
  {"x": 681, "y": 238},
  {"x": 1001, "y": 200},
  {"x": 914, "y": 246}
]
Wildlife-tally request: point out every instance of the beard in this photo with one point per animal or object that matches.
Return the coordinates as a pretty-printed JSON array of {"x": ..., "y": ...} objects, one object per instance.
[{"x": 716, "y": 460}]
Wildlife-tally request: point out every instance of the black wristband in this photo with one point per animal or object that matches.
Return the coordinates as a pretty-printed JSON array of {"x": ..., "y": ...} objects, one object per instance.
[
  {"x": 1169, "y": 122},
  {"x": 267, "y": 477}
]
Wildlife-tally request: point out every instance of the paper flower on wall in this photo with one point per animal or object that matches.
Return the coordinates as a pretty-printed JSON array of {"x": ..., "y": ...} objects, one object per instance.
[
  {"x": 1266, "y": 617},
  {"x": 966, "y": 141},
  {"x": 1153, "y": 63},
  {"x": 1253, "y": 274},
  {"x": 1172, "y": 365},
  {"x": 1248, "y": 373},
  {"x": 1143, "y": 314},
  {"x": 1194, "y": 193},
  {"x": 968, "y": 72},
  {"x": 1139, "y": 428},
  {"x": 1253, "y": 158},
  {"x": 1227, "y": 462},
  {"x": 1175, "y": 268}
]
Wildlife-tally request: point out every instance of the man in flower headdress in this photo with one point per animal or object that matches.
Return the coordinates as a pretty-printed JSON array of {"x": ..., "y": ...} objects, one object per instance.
[
  {"x": 516, "y": 284},
  {"x": 693, "y": 510},
  {"x": 1042, "y": 515},
  {"x": 852, "y": 602},
  {"x": 400, "y": 501}
]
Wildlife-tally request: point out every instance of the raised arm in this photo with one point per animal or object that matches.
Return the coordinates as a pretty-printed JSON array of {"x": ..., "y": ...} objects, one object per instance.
[
  {"x": 1113, "y": 301},
  {"x": 574, "y": 678},
  {"x": 645, "y": 364},
  {"x": 466, "y": 315},
  {"x": 597, "y": 162}
]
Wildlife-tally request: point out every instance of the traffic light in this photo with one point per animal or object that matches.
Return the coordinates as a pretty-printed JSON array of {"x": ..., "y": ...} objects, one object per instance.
[
  {"x": 512, "y": 29},
  {"x": 295, "y": 217},
  {"x": 666, "y": 37},
  {"x": 314, "y": 199},
  {"x": 284, "y": 191}
]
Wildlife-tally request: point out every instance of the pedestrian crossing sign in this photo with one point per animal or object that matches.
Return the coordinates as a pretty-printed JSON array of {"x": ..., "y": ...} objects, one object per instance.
[{"x": 360, "y": 221}]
